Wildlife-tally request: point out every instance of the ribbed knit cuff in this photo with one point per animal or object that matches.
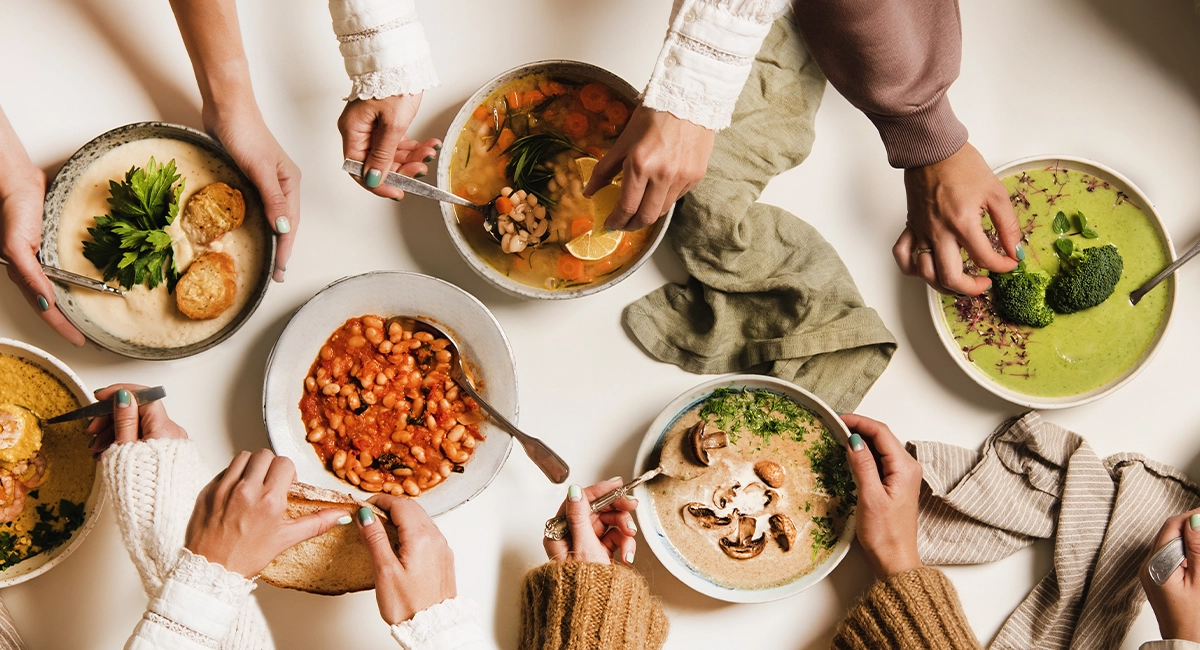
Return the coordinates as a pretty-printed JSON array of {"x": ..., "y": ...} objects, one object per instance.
[
  {"x": 928, "y": 135},
  {"x": 588, "y": 606},
  {"x": 913, "y": 609}
]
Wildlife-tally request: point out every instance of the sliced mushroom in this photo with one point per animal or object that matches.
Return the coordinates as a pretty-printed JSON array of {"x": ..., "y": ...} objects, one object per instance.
[
  {"x": 724, "y": 495},
  {"x": 744, "y": 545},
  {"x": 770, "y": 472},
  {"x": 701, "y": 516},
  {"x": 700, "y": 442},
  {"x": 772, "y": 495},
  {"x": 783, "y": 531}
]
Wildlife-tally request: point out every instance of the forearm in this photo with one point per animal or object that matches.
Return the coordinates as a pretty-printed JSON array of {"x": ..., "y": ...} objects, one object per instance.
[
  {"x": 214, "y": 43},
  {"x": 384, "y": 47},
  {"x": 709, "y": 50},
  {"x": 894, "y": 60},
  {"x": 16, "y": 169}
]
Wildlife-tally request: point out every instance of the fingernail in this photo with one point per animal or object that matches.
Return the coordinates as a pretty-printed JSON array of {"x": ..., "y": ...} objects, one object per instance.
[
  {"x": 428, "y": 158},
  {"x": 283, "y": 226},
  {"x": 1020, "y": 252},
  {"x": 437, "y": 147},
  {"x": 97, "y": 391},
  {"x": 856, "y": 442},
  {"x": 1194, "y": 521},
  {"x": 345, "y": 519},
  {"x": 123, "y": 398},
  {"x": 989, "y": 286},
  {"x": 93, "y": 442},
  {"x": 373, "y": 178},
  {"x": 574, "y": 493},
  {"x": 632, "y": 526},
  {"x": 615, "y": 478},
  {"x": 365, "y": 516},
  {"x": 629, "y": 557},
  {"x": 43, "y": 303},
  {"x": 420, "y": 175}
]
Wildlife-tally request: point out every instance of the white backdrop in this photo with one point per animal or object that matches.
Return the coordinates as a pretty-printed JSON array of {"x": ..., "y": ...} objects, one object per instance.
[{"x": 1115, "y": 81}]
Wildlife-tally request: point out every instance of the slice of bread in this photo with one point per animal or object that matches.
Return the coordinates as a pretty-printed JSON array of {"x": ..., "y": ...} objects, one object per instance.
[
  {"x": 337, "y": 562},
  {"x": 208, "y": 288},
  {"x": 213, "y": 211}
]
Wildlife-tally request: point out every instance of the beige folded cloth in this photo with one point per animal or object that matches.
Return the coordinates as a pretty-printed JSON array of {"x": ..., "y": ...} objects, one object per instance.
[
  {"x": 10, "y": 639},
  {"x": 1035, "y": 480},
  {"x": 765, "y": 286}
]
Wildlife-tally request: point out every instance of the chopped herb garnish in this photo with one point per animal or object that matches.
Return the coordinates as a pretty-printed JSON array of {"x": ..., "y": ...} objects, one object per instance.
[
  {"x": 54, "y": 529},
  {"x": 759, "y": 412},
  {"x": 823, "y": 535},
  {"x": 832, "y": 471}
]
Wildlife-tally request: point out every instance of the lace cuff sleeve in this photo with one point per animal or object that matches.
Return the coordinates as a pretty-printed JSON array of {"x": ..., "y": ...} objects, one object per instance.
[
  {"x": 449, "y": 625},
  {"x": 707, "y": 57},
  {"x": 384, "y": 47},
  {"x": 196, "y": 608}
]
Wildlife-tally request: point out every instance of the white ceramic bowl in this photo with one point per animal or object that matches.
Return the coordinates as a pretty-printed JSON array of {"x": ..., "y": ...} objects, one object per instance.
[
  {"x": 648, "y": 518},
  {"x": 43, "y": 562},
  {"x": 391, "y": 293},
  {"x": 1036, "y": 402},
  {"x": 487, "y": 271}
]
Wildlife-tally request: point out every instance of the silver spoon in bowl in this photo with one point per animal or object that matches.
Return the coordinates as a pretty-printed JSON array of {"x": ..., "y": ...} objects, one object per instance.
[
  {"x": 95, "y": 409},
  {"x": 553, "y": 466},
  {"x": 1141, "y": 291}
]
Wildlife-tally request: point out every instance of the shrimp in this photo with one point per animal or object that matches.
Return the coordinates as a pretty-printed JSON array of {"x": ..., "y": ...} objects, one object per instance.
[
  {"x": 32, "y": 471},
  {"x": 12, "y": 497}
]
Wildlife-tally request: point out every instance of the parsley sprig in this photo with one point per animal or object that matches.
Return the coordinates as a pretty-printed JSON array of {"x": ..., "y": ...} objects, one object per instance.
[{"x": 130, "y": 244}]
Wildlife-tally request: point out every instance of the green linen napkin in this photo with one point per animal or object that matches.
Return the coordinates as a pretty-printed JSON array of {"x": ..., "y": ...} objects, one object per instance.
[{"x": 765, "y": 287}]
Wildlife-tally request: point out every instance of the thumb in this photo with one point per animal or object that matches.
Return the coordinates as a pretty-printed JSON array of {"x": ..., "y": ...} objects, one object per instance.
[
  {"x": 376, "y": 539},
  {"x": 579, "y": 516},
  {"x": 125, "y": 417},
  {"x": 314, "y": 525},
  {"x": 606, "y": 170},
  {"x": 1191, "y": 544}
]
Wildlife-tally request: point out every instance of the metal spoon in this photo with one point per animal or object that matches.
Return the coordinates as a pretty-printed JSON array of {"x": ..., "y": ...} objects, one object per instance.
[
  {"x": 96, "y": 409},
  {"x": 554, "y": 467},
  {"x": 414, "y": 186},
  {"x": 556, "y": 527},
  {"x": 1137, "y": 294},
  {"x": 74, "y": 279}
]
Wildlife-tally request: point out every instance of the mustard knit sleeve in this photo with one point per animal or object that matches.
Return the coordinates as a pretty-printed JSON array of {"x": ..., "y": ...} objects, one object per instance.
[
  {"x": 910, "y": 610},
  {"x": 587, "y": 606}
]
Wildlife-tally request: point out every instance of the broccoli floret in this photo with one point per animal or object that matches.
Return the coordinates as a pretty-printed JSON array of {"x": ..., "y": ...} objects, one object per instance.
[
  {"x": 1085, "y": 279},
  {"x": 1020, "y": 297}
]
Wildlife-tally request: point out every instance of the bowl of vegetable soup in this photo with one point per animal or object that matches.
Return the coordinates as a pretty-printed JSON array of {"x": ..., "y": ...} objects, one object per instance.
[{"x": 531, "y": 136}]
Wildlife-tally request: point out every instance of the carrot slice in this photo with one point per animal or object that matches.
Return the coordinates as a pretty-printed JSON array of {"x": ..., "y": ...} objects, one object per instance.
[
  {"x": 576, "y": 126},
  {"x": 609, "y": 129},
  {"x": 569, "y": 267},
  {"x": 533, "y": 97},
  {"x": 481, "y": 113},
  {"x": 616, "y": 112},
  {"x": 580, "y": 226},
  {"x": 507, "y": 137},
  {"x": 594, "y": 151},
  {"x": 504, "y": 204},
  {"x": 514, "y": 99},
  {"x": 554, "y": 88},
  {"x": 594, "y": 97}
]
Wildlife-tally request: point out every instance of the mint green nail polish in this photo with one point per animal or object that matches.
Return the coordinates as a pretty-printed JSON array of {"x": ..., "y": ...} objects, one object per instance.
[
  {"x": 437, "y": 147},
  {"x": 283, "y": 226},
  {"x": 856, "y": 442},
  {"x": 365, "y": 516},
  {"x": 420, "y": 175},
  {"x": 93, "y": 442},
  {"x": 123, "y": 398},
  {"x": 428, "y": 158},
  {"x": 373, "y": 178},
  {"x": 632, "y": 526},
  {"x": 43, "y": 303},
  {"x": 1194, "y": 521},
  {"x": 629, "y": 557},
  {"x": 345, "y": 519},
  {"x": 1020, "y": 253},
  {"x": 615, "y": 478},
  {"x": 574, "y": 493}
]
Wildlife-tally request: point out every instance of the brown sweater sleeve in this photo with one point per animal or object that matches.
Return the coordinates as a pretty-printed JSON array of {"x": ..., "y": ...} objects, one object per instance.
[
  {"x": 587, "y": 606},
  {"x": 894, "y": 60},
  {"x": 917, "y": 609}
]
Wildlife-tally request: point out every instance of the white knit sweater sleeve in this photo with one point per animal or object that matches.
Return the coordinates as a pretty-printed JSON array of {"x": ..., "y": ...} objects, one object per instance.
[
  {"x": 707, "y": 57},
  {"x": 384, "y": 47},
  {"x": 152, "y": 485},
  {"x": 449, "y": 625}
]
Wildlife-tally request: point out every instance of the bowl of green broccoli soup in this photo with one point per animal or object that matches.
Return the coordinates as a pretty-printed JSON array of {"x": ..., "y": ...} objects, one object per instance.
[{"x": 1059, "y": 330}]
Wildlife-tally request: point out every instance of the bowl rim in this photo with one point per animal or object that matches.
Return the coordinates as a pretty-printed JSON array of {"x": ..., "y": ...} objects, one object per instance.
[
  {"x": 1049, "y": 403},
  {"x": 60, "y": 189},
  {"x": 450, "y": 217},
  {"x": 492, "y": 318},
  {"x": 648, "y": 518},
  {"x": 96, "y": 498}
]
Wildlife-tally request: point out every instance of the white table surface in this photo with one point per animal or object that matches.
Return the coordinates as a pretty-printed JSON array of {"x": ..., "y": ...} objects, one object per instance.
[{"x": 1113, "y": 81}]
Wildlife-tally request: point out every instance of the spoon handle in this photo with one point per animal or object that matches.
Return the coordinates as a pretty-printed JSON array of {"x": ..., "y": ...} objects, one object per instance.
[
  {"x": 1138, "y": 293},
  {"x": 74, "y": 279},
  {"x": 412, "y": 185},
  {"x": 556, "y": 528},
  {"x": 554, "y": 467},
  {"x": 96, "y": 409}
]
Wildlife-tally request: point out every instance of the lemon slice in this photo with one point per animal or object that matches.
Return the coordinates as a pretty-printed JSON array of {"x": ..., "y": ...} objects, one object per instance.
[{"x": 594, "y": 245}]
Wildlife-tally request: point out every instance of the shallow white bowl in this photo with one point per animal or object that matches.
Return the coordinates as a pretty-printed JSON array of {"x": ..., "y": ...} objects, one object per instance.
[
  {"x": 489, "y": 272},
  {"x": 391, "y": 293},
  {"x": 1035, "y": 402},
  {"x": 43, "y": 562},
  {"x": 648, "y": 518}
]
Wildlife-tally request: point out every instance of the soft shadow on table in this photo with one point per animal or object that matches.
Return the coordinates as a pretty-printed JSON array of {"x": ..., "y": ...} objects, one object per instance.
[
  {"x": 244, "y": 417},
  {"x": 1167, "y": 30},
  {"x": 111, "y": 22}
]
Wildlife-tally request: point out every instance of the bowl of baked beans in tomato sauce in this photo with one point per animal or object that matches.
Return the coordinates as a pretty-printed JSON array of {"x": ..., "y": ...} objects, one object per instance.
[{"x": 364, "y": 406}]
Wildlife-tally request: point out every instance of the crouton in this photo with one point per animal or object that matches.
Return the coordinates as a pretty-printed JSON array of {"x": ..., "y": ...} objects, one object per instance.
[
  {"x": 213, "y": 211},
  {"x": 208, "y": 288}
]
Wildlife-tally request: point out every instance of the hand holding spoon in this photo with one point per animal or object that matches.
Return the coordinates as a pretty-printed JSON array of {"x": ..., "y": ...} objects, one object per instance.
[
  {"x": 96, "y": 409},
  {"x": 554, "y": 467}
]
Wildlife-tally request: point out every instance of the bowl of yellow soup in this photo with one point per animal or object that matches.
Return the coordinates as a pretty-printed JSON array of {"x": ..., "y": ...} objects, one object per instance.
[
  {"x": 531, "y": 135},
  {"x": 48, "y": 501},
  {"x": 1082, "y": 356}
]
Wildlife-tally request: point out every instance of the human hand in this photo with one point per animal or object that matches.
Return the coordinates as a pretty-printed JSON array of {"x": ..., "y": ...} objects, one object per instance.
[
  {"x": 599, "y": 537},
  {"x": 888, "y": 489},
  {"x": 662, "y": 157},
  {"x": 945, "y": 203},
  {"x": 130, "y": 421},
  {"x": 240, "y": 520},
  {"x": 418, "y": 575},
  {"x": 244, "y": 134},
  {"x": 1177, "y": 603},
  {"x": 374, "y": 130}
]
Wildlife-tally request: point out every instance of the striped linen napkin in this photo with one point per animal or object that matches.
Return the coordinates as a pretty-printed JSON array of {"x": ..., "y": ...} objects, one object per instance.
[{"x": 1036, "y": 480}]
